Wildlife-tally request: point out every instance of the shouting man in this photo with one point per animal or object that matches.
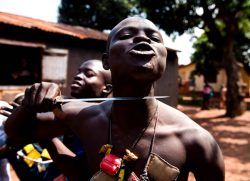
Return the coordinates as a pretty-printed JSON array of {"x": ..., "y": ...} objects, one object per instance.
[{"x": 155, "y": 141}]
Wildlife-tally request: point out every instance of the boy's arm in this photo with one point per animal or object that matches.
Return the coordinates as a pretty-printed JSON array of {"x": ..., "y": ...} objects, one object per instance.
[
  {"x": 207, "y": 160},
  {"x": 25, "y": 125},
  {"x": 65, "y": 160},
  {"x": 11, "y": 147}
]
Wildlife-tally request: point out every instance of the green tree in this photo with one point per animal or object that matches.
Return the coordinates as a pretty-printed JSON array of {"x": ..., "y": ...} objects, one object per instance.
[
  {"x": 97, "y": 14},
  {"x": 242, "y": 46},
  {"x": 221, "y": 20},
  {"x": 206, "y": 58}
]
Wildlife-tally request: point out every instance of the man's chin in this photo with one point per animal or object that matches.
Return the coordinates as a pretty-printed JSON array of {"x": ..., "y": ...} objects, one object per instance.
[
  {"x": 148, "y": 65},
  {"x": 147, "y": 73},
  {"x": 75, "y": 94}
]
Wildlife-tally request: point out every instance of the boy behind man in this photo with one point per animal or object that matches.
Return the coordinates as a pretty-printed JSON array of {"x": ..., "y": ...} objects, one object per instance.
[
  {"x": 136, "y": 57},
  {"x": 90, "y": 81}
]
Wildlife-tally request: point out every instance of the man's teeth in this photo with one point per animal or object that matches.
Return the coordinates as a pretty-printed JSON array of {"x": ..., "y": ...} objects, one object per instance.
[{"x": 142, "y": 52}]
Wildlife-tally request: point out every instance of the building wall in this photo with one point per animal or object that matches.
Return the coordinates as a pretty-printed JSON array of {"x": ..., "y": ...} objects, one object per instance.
[
  {"x": 168, "y": 84},
  {"x": 76, "y": 57},
  {"x": 221, "y": 79},
  {"x": 184, "y": 72},
  {"x": 246, "y": 79},
  {"x": 80, "y": 51}
]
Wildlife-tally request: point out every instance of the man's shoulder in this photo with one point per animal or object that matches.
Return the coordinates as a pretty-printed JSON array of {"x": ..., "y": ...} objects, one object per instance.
[
  {"x": 86, "y": 108},
  {"x": 190, "y": 131},
  {"x": 75, "y": 107},
  {"x": 175, "y": 117}
]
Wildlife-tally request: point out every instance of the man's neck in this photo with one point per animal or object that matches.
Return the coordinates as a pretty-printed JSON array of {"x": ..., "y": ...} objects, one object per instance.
[{"x": 133, "y": 113}]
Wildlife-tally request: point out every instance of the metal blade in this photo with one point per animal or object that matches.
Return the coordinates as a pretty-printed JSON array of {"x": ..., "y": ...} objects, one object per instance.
[{"x": 111, "y": 98}]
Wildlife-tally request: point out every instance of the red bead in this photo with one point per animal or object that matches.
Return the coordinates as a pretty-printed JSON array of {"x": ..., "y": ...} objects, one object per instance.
[{"x": 111, "y": 164}]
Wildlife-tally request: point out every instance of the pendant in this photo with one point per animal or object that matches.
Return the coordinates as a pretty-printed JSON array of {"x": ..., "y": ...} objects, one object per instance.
[
  {"x": 129, "y": 156},
  {"x": 104, "y": 148},
  {"x": 111, "y": 164}
]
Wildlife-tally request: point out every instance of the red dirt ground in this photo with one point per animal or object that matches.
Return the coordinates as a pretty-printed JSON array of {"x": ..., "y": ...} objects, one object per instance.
[{"x": 232, "y": 135}]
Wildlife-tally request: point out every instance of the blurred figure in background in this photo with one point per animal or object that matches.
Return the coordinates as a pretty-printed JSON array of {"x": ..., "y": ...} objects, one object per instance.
[
  {"x": 207, "y": 93},
  {"x": 4, "y": 164},
  {"x": 90, "y": 81},
  {"x": 223, "y": 97},
  {"x": 17, "y": 151},
  {"x": 24, "y": 76}
]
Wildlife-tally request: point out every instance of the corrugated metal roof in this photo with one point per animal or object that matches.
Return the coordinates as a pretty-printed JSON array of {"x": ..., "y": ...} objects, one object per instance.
[{"x": 76, "y": 31}]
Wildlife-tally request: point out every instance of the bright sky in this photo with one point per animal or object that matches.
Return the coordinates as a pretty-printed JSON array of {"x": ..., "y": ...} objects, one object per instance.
[{"x": 47, "y": 10}]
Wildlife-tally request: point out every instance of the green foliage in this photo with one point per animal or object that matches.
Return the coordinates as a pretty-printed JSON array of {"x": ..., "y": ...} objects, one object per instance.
[
  {"x": 216, "y": 17},
  {"x": 242, "y": 50},
  {"x": 98, "y": 14},
  {"x": 175, "y": 17},
  {"x": 172, "y": 15},
  {"x": 183, "y": 15},
  {"x": 206, "y": 57},
  {"x": 242, "y": 39}
]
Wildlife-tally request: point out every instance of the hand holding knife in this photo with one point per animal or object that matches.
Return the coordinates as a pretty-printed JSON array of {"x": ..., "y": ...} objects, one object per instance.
[{"x": 59, "y": 100}]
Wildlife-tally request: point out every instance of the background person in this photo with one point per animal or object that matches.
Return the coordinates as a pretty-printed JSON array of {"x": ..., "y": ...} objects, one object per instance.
[
  {"x": 90, "y": 81},
  {"x": 25, "y": 76},
  {"x": 25, "y": 169},
  {"x": 4, "y": 163},
  {"x": 223, "y": 97},
  {"x": 206, "y": 96}
]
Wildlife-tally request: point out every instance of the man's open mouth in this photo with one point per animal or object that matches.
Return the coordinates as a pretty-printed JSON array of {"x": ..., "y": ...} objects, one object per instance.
[{"x": 142, "y": 49}]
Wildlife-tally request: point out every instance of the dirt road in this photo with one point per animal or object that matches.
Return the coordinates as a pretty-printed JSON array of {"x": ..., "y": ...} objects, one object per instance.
[{"x": 232, "y": 135}]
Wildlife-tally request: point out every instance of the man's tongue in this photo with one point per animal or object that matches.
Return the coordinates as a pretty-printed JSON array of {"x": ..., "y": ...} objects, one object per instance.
[{"x": 142, "y": 48}]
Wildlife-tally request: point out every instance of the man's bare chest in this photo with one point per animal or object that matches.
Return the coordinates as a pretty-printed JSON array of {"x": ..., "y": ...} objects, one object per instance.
[{"x": 166, "y": 147}]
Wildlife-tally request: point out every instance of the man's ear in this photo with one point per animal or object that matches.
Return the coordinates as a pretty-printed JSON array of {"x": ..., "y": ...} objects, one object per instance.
[
  {"x": 108, "y": 89},
  {"x": 105, "y": 61}
]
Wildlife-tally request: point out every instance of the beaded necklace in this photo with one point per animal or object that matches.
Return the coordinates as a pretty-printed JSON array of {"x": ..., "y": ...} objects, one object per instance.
[{"x": 129, "y": 154}]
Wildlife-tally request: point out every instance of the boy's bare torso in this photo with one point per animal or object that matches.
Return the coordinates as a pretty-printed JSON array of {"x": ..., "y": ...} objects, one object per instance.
[{"x": 175, "y": 134}]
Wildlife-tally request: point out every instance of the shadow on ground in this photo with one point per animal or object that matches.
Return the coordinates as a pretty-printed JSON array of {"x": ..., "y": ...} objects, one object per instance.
[{"x": 232, "y": 135}]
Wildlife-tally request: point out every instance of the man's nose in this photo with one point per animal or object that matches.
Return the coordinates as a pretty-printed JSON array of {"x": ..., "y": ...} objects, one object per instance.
[
  {"x": 79, "y": 76},
  {"x": 141, "y": 37}
]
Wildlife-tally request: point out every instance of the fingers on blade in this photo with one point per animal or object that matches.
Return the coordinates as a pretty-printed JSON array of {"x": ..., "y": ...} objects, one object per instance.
[
  {"x": 26, "y": 100},
  {"x": 33, "y": 94},
  {"x": 52, "y": 92},
  {"x": 40, "y": 102}
]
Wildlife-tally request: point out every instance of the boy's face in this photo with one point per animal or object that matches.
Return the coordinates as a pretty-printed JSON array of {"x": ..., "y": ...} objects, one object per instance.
[
  {"x": 136, "y": 50},
  {"x": 89, "y": 80}
]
